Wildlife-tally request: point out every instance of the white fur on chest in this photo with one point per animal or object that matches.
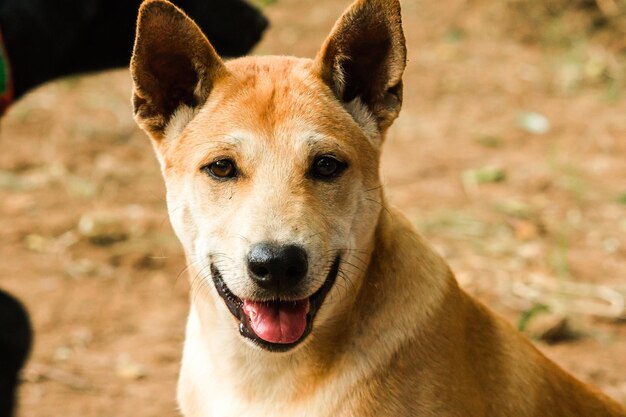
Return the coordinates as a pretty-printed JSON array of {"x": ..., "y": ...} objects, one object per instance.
[{"x": 207, "y": 385}]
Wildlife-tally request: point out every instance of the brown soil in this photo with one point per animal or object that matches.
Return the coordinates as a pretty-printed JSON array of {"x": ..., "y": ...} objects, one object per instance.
[{"x": 109, "y": 305}]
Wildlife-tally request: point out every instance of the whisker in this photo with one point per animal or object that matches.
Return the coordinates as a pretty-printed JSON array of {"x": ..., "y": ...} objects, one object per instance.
[{"x": 384, "y": 207}]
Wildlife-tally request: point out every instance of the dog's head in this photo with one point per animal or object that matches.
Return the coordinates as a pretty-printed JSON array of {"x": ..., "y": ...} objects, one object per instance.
[{"x": 271, "y": 163}]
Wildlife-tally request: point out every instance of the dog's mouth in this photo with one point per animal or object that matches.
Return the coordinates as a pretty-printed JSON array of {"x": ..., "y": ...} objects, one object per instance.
[{"x": 275, "y": 325}]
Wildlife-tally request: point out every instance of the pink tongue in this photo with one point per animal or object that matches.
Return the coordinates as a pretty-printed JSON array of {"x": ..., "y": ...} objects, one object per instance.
[{"x": 277, "y": 321}]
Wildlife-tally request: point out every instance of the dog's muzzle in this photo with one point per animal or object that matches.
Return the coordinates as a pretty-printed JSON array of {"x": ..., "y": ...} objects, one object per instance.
[{"x": 279, "y": 324}]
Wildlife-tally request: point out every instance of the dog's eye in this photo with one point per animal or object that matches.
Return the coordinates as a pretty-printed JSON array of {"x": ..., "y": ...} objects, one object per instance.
[
  {"x": 326, "y": 167},
  {"x": 222, "y": 169}
]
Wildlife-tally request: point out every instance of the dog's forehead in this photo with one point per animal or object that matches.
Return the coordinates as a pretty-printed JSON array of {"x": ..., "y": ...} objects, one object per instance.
[
  {"x": 305, "y": 140},
  {"x": 269, "y": 105},
  {"x": 275, "y": 90},
  {"x": 274, "y": 97},
  {"x": 279, "y": 68}
]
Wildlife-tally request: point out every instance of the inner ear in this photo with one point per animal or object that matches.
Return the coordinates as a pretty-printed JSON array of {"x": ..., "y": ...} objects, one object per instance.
[
  {"x": 361, "y": 69},
  {"x": 178, "y": 79}
]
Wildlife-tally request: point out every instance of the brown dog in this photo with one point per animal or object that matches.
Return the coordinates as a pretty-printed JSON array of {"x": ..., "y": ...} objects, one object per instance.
[{"x": 310, "y": 298}]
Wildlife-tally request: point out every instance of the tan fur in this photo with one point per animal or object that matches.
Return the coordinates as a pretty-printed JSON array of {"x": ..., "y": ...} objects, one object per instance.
[{"x": 396, "y": 336}]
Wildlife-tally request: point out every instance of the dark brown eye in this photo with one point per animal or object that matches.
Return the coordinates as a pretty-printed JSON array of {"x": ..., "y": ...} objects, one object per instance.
[
  {"x": 327, "y": 167},
  {"x": 222, "y": 169}
]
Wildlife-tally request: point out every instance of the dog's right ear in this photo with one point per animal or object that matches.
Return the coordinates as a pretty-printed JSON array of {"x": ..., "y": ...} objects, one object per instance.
[
  {"x": 363, "y": 60},
  {"x": 173, "y": 65}
]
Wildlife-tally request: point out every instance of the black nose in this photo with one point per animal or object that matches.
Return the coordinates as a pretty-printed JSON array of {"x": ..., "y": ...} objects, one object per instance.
[{"x": 277, "y": 267}]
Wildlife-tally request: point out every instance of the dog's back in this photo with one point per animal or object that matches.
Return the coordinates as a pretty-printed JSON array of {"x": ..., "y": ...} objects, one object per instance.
[{"x": 438, "y": 351}]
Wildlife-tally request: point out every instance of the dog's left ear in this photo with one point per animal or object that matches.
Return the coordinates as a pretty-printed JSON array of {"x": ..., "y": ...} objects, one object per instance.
[
  {"x": 364, "y": 58},
  {"x": 173, "y": 66}
]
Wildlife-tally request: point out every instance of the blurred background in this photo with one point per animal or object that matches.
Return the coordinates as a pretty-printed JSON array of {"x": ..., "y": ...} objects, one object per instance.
[{"x": 509, "y": 156}]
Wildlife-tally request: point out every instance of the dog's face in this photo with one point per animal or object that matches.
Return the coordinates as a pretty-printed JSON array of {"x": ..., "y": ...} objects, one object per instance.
[{"x": 271, "y": 164}]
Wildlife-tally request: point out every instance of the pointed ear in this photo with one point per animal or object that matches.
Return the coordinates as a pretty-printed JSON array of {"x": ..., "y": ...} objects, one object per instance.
[
  {"x": 173, "y": 66},
  {"x": 363, "y": 59}
]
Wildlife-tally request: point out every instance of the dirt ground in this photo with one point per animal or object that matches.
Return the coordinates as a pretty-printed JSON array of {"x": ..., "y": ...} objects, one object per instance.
[{"x": 509, "y": 156}]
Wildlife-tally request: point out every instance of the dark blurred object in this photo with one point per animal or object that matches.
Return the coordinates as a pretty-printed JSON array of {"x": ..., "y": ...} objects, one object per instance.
[
  {"x": 15, "y": 341},
  {"x": 48, "y": 39}
]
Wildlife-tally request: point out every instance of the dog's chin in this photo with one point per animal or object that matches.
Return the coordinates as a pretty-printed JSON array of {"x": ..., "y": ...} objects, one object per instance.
[{"x": 275, "y": 325}]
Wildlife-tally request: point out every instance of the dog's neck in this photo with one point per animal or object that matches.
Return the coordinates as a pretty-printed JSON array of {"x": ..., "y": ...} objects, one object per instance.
[{"x": 349, "y": 338}]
